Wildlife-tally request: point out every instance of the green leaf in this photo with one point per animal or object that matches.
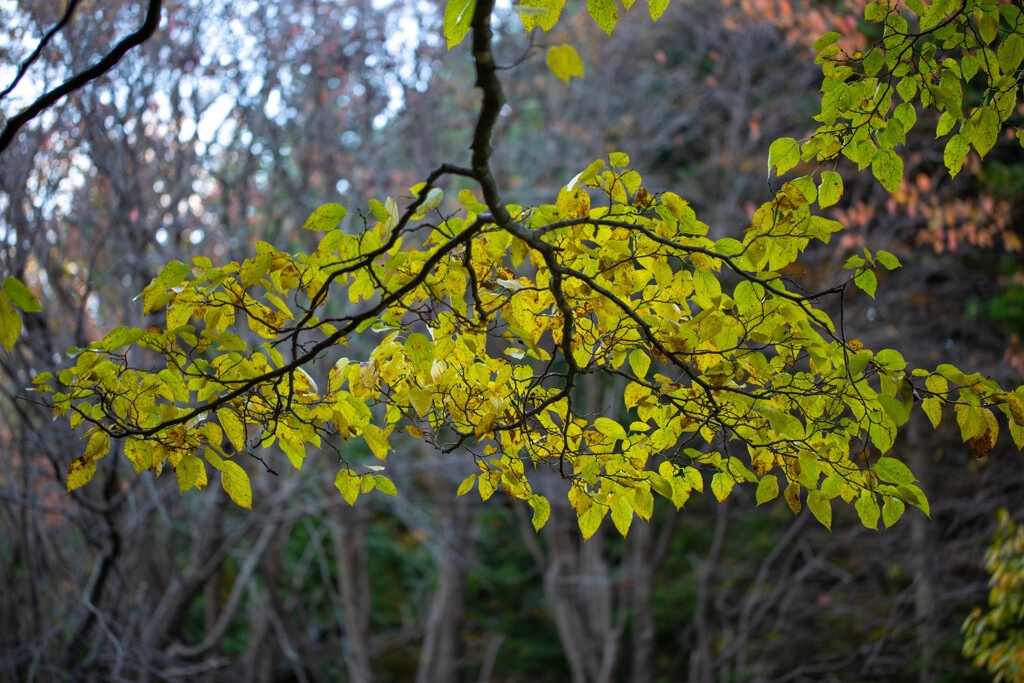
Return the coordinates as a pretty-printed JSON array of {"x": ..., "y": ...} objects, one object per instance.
[
  {"x": 171, "y": 275},
  {"x": 721, "y": 485},
  {"x": 1011, "y": 52},
  {"x": 420, "y": 350},
  {"x": 909, "y": 493},
  {"x": 660, "y": 485},
  {"x": 882, "y": 433},
  {"x": 894, "y": 409},
  {"x": 98, "y": 446},
  {"x": 891, "y": 359},
  {"x": 867, "y": 281},
  {"x": 767, "y": 489},
  {"x": 326, "y": 217},
  {"x": 887, "y": 167},
  {"x": 233, "y": 427},
  {"x": 432, "y": 201},
  {"x": 821, "y": 508},
  {"x": 986, "y": 131},
  {"x": 830, "y": 189},
  {"x": 887, "y": 260},
  {"x": 953, "y": 155},
  {"x": 565, "y": 62},
  {"x": 604, "y": 14},
  {"x": 191, "y": 473},
  {"x": 458, "y": 17},
  {"x": 20, "y": 295},
  {"x": 783, "y": 154},
  {"x": 893, "y": 471},
  {"x": 892, "y": 510},
  {"x": 827, "y": 39},
  {"x": 932, "y": 407},
  {"x": 867, "y": 509}
]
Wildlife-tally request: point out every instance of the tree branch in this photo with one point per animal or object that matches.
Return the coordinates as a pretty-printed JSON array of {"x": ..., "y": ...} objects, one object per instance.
[
  {"x": 108, "y": 62},
  {"x": 30, "y": 60}
]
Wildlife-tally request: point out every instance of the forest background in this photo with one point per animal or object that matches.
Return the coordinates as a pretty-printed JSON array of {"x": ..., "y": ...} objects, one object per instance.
[{"x": 231, "y": 125}]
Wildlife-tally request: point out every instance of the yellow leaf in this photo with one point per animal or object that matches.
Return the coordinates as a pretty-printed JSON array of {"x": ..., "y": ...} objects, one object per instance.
[
  {"x": 590, "y": 520},
  {"x": 639, "y": 362},
  {"x": 643, "y": 502},
  {"x": 190, "y": 472},
  {"x": 573, "y": 203},
  {"x": 233, "y": 427},
  {"x": 80, "y": 472},
  {"x": 384, "y": 485},
  {"x": 348, "y": 484},
  {"x": 721, "y": 485},
  {"x": 622, "y": 513},
  {"x": 377, "y": 440},
  {"x": 565, "y": 63},
  {"x": 792, "y": 496},
  {"x": 236, "y": 483},
  {"x": 466, "y": 486},
  {"x": 610, "y": 428},
  {"x": 99, "y": 445}
]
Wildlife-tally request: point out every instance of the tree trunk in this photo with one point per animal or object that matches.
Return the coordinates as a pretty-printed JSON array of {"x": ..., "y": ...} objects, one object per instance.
[
  {"x": 441, "y": 655},
  {"x": 348, "y": 527},
  {"x": 922, "y": 552}
]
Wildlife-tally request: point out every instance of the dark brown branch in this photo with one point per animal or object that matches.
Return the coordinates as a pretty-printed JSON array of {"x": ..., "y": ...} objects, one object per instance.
[
  {"x": 30, "y": 60},
  {"x": 108, "y": 62}
]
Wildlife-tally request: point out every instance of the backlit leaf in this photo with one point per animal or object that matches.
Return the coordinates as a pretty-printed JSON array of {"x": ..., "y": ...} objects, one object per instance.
[
  {"x": 10, "y": 322},
  {"x": 610, "y": 428},
  {"x": 458, "y": 16},
  {"x": 541, "y": 510},
  {"x": 821, "y": 508},
  {"x": 867, "y": 509},
  {"x": 767, "y": 489},
  {"x": 830, "y": 190},
  {"x": 20, "y": 295},
  {"x": 325, "y": 218},
  {"x": 604, "y": 13},
  {"x": 894, "y": 471}
]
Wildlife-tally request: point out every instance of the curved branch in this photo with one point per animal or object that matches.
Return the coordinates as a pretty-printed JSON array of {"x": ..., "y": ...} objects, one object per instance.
[
  {"x": 108, "y": 62},
  {"x": 30, "y": 60}
]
